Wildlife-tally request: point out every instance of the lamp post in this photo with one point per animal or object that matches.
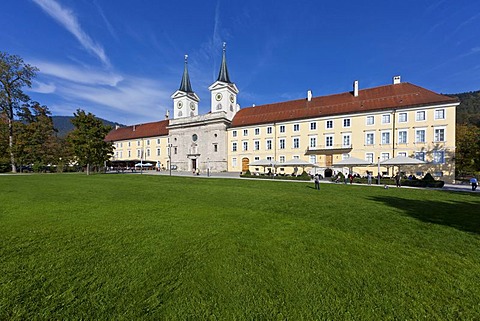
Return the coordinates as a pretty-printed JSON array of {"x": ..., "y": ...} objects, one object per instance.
[
  {"x": 170, "y": 158},
  {"x": 378, "y": 174},
  {"x": 208, "y": 167}
]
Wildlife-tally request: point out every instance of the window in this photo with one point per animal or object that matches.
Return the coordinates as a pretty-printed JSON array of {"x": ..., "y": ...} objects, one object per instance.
[
  {"x": 269, "y": 144},
  {"x": 346, "y": 140},
  {"x": 312, "y": 159},
  {"x": 129, "y": 144},
  {"x": 370, "y": 120},
  {"x": 329, "y": 124},
  {"x": 245, "y": 132},
  {"x": 369, "y": 138},
  {"x": 215, "y": 148},
  {"x": 234, "y": 147},
  {"x": 369, "y": 157},
  {"x": 439, "y": 134},
  {"x": 313, "y": 141},
  {"x": 245, "y": 146},
  {"x": 420, "y": 156},
  {"x": 234, "y": 133},
  {"x": 282, "y": 128},
  {"x": 148, "y": 142},
  {"x": 420, "y": 116},
  {"x": 158, "y": 151},
  {"x": 269, "y": 158},
  {"x": 313, "y": 126},
  {"x": 403, "y": 154},
  {"x": 296, "y": 127},
  {"x": 402, "y": 137},
  {"x": 346, "y": 122},
  {"x": 345, "y": 156},
  {"x": 328, "y": 141},
  {"x": 148, "y": 152},
  {"x": 420, "y": 136},
  {"x": 257, "y": 131},
  {"x": 175, "y": 150},
  {"x": 256, "y": 145},
  {"x": 438, "y": 157},
  {"x": 129, "y": 154},
  {"x": 402, "y": 117},
  {"x": 234, "y": 162},
  {"x": 269, "y": 129},
  {"x": 282, "y": 143},
  {"x": 139, "y": 153},
  {"x": 437, "y": 174},
  {"x": 384, "y": 156},
  {"x": 158, "y": 141},
  {"x": 282, "y": 159},
  {"x": 386, "y": 119},
  {"x": 440, "y": 114},
  {"x": 296, "y": 142},
  {"x": 385, "y": 138},
  {"x": 138, "y": 143}
]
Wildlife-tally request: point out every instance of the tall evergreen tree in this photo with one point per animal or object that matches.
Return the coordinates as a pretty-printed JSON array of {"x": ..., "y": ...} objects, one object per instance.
[
  {"x": 87, "y": 140},
  {"x": 14, "y": 75}
]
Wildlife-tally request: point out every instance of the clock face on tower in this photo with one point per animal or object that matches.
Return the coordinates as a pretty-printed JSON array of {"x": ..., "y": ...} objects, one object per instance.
[
  {"x": 218, "y": 97},
  {"x": 192, "y": 106},
  {"x": 232, "y": 99},
  {"x": 179, "y": 105}
]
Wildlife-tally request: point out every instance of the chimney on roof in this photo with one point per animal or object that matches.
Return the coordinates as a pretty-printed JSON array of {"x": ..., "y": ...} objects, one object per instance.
[
  {"x": 396, "y": 80},
  {"x": 355, "y": 88},
  {"x": 253, "y": 105},
  {"x": 309, "y": 95},
  {"x": 117, "y": 126},
  {"x": 134, "y": 127}
]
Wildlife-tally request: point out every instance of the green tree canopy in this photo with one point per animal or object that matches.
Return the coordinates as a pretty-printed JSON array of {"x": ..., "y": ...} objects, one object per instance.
[
  {"x": 15, "y": 74},
  {"x": 87, "y": 140}
]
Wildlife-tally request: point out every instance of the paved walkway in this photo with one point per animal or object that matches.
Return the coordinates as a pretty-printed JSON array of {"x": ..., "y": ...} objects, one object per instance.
[{"x": 236, "y": 175}]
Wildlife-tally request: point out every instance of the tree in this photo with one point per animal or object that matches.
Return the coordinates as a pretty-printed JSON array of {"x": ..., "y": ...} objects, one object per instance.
[
  {"x": 14, "y": 75},
  {"x": 467, "y": 158},
  {"x": 35, "y": 136},
  {"x": 87, "y": 140}
]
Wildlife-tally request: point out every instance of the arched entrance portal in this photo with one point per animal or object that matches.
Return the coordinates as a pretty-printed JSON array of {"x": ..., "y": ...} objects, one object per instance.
[
  {"x": 245, "y": 163},
  {"x": 328, "y": 173}
]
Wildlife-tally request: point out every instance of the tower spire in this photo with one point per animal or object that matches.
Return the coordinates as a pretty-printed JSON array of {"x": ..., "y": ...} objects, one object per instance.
[
  {"x": 185, "y": 85},
  {"x": 223, "y": 74}
]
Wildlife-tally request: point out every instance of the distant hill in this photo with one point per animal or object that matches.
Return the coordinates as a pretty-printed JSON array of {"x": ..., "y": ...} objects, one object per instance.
[
  {"x": 64, "y": 125},
  {"x": 468, "y": 112}
]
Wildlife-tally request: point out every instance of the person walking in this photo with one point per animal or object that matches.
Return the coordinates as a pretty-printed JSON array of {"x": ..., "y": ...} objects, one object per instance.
[
  {"x": 474, "y": 183},
  {"x": 397, "y": 180},
  {"x": 369, "y": 178},
  {"x": 317, "y": 181}
]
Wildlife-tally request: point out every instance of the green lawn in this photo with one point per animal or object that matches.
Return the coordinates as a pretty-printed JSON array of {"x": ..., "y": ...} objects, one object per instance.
[{"x": 125, "y": 247}]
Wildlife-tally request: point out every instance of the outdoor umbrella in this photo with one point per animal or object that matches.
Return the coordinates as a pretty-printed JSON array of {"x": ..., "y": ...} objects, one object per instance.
[
  {"x": 401, "y": 160},
  {"x": 352, "y": 162}
]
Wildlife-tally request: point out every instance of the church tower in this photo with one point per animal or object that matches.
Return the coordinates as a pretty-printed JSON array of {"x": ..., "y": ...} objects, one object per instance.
[
  {"x": 185, "y": 101},
  {"x": 224, "y": 92}
]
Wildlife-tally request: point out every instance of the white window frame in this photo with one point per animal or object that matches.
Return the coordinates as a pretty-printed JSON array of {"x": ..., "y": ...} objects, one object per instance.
[
  {"x": 312, "y": 141},
  {"x": 424, "y": 130},
  {"x": 281, "y": 143},
  {"x": 435, "y": 154},
  {"x": 257, "y": 131},
  {"x": 329, "y": 141},
  {"x": 347, "y": 122},
  {"x": 296, "y": 127},
  {"x": 436, "y": 131},
  {"x": 269, "y": 130},
  {"x": 329, "y": 122},
  {"x": 282, "y": 129},
  {"x": 313, "y": 125},
  {"x": 420, "y": 155},
  {"x": 369, "y": 157},
  {"x": 234, "y": 133},
  {"x": 400, "y": 120},
  {"x": 384, "y": 156},
  {"x": 234, "y": 162},
  {"x": 386, "y": 137},
  {"x": 295, "y": 142},
  {"x": 344, "y": 136},
  {"x": 437, "y": 111},
  {"x": 370, "y": 120},
  {"x": 245, "y": 132},
  {"x": 245, "y": 145},
  {"x": 234, "y": 146},
  {"x": 386, "y": 119},
  {"x": 269, "y": 145},
  {"x": 405, "y": 138},
  {"x": 420, "y": 112},
  {"x": 367, "y": 143},
  {"x": 256, "y": 144}
]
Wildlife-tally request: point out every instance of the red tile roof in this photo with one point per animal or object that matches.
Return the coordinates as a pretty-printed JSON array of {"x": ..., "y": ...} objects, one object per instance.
[
  {"x": 158, "y": 128},
  {"x": 398, "y": 96}
]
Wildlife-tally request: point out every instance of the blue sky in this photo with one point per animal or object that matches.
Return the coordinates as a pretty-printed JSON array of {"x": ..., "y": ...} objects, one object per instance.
[{"x": 121, "y": 60}]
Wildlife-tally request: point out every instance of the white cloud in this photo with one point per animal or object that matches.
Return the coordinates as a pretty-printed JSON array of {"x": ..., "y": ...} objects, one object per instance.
[
  {"x": 43, "y": 88},
  {"x": 68, "y": 20},
  {"x": 77, "y": 74}
]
